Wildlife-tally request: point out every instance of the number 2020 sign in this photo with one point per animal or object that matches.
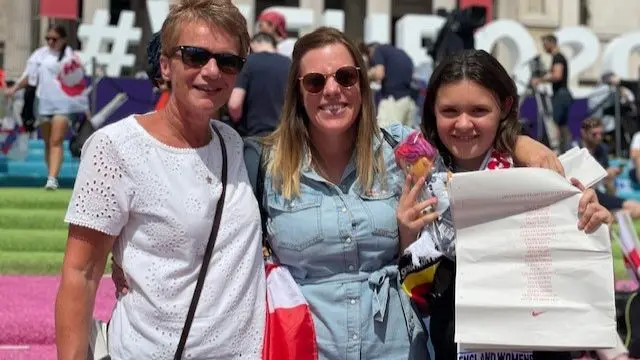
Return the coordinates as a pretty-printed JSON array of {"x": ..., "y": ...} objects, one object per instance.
[{"x": 520, "y": 46}]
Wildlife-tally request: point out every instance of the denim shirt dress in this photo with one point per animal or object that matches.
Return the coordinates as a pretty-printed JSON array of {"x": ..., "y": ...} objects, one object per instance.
[{"x": 340, "y": 244}]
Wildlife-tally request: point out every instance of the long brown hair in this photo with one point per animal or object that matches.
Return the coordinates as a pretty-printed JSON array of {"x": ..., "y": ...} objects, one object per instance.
[
  {"x": 483, "y": 69},
  {"x": 290, "y": 142}
]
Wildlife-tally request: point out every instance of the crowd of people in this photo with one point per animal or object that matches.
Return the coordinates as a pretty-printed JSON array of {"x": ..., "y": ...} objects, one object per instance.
[{"x": 335, "y": 206}]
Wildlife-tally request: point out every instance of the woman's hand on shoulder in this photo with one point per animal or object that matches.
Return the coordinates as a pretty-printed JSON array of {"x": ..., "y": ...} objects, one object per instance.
[
  {"x": 530, "y": 153},
  {"x": 411, "y": 213},
  {"x": 590, "y": 212},
  {"x": 119, "y": 280}
]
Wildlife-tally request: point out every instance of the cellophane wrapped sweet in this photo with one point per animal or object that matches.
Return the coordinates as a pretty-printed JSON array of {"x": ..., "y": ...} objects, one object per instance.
[{"x": 419, "y": 262}]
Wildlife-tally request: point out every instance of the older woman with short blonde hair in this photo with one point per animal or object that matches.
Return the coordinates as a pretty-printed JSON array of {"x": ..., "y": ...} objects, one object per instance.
[{"x": 153, "y": 181}]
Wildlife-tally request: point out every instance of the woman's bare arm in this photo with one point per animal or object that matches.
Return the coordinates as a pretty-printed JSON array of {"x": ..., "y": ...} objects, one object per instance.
[{"x": 84, "y": 262}]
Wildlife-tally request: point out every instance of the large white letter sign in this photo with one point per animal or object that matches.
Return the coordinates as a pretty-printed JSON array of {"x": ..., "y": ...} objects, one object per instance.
[
  {"x": 302, "y": 20},
  {"x": 334, "y": 18},
  {"x": 519, "y": 44},
  {"x": 158, "y": 11},
  {"x": 585, "y": 47},
  {"x": 296, "y": 18},
  {"x": 377, "y": 28},
  {"x": 583, "y": 43},
  {"x": 95, "y": 36},
  {"x": 617, "y": 53},
  {"x": 411, "y": 29},
  {"x": 247, "y": 12}
]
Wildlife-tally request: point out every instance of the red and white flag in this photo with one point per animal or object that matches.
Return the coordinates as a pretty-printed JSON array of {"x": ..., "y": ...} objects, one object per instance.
[
  {"x": 289, "y": 333},
  {"x": 628, "y": 240}
]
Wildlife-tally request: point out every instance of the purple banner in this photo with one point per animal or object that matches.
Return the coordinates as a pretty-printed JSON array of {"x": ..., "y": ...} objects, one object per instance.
[
  {"x": 529, "y": 113},
  {"x": 140, "y": 92},
  {"x": 142, "y": 99}
]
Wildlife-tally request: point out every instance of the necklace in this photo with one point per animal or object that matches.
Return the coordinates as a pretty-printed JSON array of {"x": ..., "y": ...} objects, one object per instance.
[
  {"x": 206, "y": 160},
  {"x": 179, "y": 134}
]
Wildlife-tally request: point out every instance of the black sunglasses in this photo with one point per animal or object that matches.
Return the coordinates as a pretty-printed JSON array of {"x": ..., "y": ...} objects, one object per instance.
[
  {"x": 198, "y": 57},
  {"x": 51, "y": 38},
  {"x": 345, "y": 76}
]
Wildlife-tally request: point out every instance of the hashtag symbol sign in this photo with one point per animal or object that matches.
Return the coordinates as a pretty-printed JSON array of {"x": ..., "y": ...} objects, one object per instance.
[{"x": 108, "y": 43}]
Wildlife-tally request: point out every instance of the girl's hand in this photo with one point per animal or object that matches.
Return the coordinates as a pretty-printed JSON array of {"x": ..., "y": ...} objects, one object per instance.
[
  {"x": 412, "y": 216},
  {"x": 591, "y": 213}
]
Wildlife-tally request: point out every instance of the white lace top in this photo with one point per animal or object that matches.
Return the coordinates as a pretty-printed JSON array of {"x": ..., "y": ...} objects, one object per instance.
[{"x": 161, "y": 201}]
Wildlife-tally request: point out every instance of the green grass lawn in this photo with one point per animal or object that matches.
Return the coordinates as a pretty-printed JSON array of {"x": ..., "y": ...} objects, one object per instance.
[
  {"x": 619, "y": 268},
  {"x": 32, "y": 219},
  {"x": 30, "y": 263},
  {"x": 36, "y": 240},
  {"x": 32, "y": 230},
  {"x": 30, "y": 198},
  {"x": 33, "y": 233}
]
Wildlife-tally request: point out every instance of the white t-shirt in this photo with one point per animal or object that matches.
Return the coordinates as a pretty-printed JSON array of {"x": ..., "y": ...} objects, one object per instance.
[
  {"x": 54, "y": 98},
  {"x": 161, "y": 201},
  {"x": 635, "y": 142},
  {"x": 285, "y": 47}
]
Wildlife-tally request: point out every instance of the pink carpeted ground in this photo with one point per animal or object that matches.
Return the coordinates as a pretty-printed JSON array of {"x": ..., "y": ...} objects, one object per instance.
[{"x": 27, "y": 315}]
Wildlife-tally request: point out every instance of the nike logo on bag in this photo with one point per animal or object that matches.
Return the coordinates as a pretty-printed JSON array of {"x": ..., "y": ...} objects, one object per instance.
[{"x": 537, "y": 313}]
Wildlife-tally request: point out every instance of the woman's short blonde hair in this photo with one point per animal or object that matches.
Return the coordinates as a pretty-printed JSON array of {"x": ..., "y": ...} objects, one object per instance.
[
  {"x": 220, "y": 13},
  {"x": 290, "y": 142}
]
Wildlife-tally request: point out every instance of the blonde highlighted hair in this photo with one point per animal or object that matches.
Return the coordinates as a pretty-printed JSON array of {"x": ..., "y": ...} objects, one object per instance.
[
  {"x": 288, "y": 145},
  {"x": 222, "y": 14}
]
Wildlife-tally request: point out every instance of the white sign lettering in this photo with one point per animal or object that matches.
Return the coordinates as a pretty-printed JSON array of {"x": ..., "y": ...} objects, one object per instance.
[
  {"x": 95, "y": 38},
  {"x": 617, "y": 53},
  {"x": 519, "y": 45},
  {"x": 411, "y": 29}
]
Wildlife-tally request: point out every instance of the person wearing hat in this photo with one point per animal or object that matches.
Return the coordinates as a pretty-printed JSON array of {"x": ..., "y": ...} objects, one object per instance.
[{"x": 273, "y": 23}]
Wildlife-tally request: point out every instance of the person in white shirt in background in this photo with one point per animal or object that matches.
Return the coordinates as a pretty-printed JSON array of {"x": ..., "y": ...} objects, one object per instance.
[
  {"x": 634, "y": 156},
  {"x": 57, "y": 100}
]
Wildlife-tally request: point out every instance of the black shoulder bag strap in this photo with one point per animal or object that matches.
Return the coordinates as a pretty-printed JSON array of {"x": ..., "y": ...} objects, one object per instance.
[
  {"x": 208, "y": 252},
  {"x": 259, "y": 192},
  {"x": 389, "y": 138}
]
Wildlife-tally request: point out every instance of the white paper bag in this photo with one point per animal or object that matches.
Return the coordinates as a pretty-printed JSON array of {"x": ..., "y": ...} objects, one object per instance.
[
  {"x": 578, "y": 163},
  {"x": 527, "y": 278}
]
